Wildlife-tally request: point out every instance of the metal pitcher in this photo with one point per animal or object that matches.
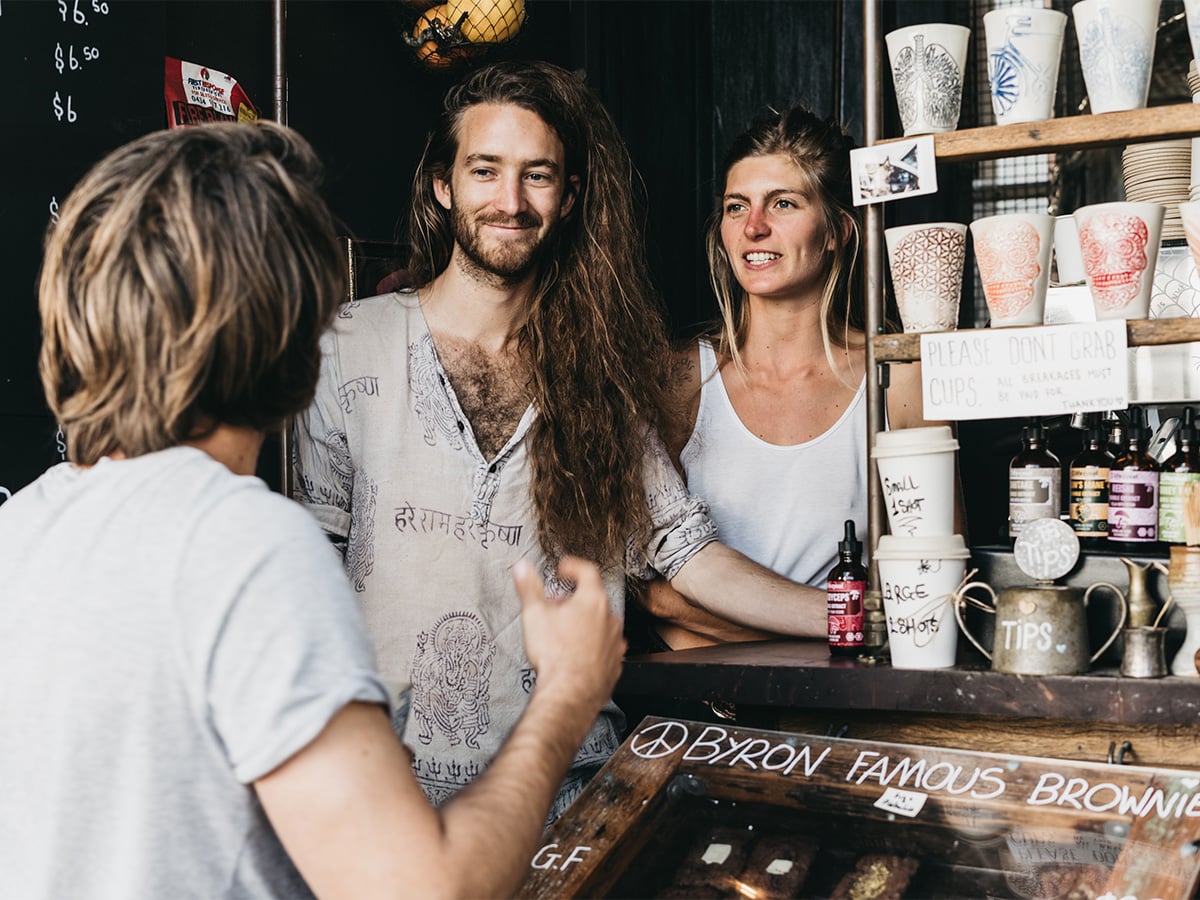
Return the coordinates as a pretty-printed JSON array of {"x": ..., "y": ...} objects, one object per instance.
[{"x": 1041, "y": 629}]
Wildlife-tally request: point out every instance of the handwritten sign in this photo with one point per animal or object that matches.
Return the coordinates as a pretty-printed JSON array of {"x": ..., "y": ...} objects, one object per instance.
[{"x": 1052, "y": 370}]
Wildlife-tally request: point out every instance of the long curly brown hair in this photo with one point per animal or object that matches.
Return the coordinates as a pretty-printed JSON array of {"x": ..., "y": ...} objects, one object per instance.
[{"x": 594, "y": 336}]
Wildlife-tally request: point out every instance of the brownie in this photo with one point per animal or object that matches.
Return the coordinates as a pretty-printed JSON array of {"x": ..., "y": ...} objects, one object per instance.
[
  {"x": 778, "y": 865},
  {"x": 1072, "y": 882},
  {"x": 715, "y": 860},
  {"x": 876, "y": 877}
]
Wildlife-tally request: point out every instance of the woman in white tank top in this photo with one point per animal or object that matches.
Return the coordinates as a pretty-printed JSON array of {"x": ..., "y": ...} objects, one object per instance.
[{"x": 775, "y": 437}]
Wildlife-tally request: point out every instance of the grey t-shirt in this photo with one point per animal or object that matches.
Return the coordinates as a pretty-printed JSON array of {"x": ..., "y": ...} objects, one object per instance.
[{"x": 169, "y": 633}]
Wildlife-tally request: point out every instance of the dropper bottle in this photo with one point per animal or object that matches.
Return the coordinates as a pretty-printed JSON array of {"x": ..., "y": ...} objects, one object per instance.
[{"x": 844, "y": 591}]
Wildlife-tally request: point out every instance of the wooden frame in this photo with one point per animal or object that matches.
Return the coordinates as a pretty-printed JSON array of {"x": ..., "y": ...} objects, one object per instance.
[{"x": 1020, "y": 817}]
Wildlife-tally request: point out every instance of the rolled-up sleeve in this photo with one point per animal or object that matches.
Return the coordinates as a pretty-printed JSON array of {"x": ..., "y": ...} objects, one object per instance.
[{"x": 680, "y": 523}]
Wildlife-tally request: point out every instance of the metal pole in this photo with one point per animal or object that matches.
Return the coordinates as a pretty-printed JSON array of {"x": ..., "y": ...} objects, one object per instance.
[
  {"x": 876, "y": 630},
  {"x": 279, "y": 79}
]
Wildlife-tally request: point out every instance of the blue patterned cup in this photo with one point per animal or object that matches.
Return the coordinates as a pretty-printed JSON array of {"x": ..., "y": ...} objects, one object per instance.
[
  {"x": 1024, "y": 47},
  {"x": 1116, "y": 51}
]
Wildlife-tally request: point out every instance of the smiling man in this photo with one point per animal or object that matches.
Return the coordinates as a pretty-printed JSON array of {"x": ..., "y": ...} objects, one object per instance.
[{"x": 508, "y": 407}]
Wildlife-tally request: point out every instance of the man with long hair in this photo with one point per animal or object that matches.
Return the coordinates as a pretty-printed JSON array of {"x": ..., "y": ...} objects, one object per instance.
[
  {"x": 509, "y": 407},
  {"x": 189, "y": 701}
]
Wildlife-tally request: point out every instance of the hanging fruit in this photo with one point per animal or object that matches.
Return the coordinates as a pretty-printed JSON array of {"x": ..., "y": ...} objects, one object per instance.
[
  {"x": 487, "y": 21},
  {"x": 438, "y": 41}
]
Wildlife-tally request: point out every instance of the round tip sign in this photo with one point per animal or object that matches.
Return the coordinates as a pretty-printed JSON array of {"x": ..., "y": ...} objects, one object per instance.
[{"x": 1046, "y": 549}]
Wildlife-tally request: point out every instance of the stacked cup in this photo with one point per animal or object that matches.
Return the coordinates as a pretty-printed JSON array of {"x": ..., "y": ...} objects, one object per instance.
[{"x": 922, "y": 561}]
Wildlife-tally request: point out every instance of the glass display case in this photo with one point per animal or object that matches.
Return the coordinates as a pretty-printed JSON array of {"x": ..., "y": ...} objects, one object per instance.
[{"x": 690, "y": 809}]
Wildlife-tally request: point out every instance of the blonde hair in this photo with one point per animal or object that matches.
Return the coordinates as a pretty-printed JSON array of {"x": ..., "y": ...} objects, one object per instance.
[
  {"x": 185, "y": 286},
  {"x": 820, "y": 149}
]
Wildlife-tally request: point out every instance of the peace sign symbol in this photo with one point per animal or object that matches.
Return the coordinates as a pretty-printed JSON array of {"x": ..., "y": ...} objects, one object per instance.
[{"x": 659, "y": 740}]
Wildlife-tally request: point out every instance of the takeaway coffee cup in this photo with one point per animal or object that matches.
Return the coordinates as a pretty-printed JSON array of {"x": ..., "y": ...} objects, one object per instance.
[
  {"x": 1024, "y": 47},
  {"x": 1119, "y": 245},
  {"x": 918, "y": 577},
  {"x": 928, "y": 62},
  {"x": 926, "y": 263},
  {"x": 916, "y": 471},
  {"x": 1013, "y": 255}
]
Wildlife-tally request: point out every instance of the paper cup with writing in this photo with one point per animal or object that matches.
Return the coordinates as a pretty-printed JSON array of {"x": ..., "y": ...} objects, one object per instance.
[
  {"x": 928, "y": 62},
  {"x": 916, "y": 471},
  {"x": 1116, "y": 51},
  {"x": 1119, "y": 245},
  {"x": 926, "y": 263},
  {"x": 1013, "y": 255},
  {"x": 1024, "y": 47},
  {"x": 918, "y": 577}
]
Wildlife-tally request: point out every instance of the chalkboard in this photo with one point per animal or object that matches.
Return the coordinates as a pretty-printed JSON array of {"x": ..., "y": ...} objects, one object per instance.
[{"x": 83, "y": 77}]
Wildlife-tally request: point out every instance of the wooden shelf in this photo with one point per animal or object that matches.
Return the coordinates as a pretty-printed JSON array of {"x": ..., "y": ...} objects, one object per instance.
[
  {"x": 1141, "y": 333},
  {"x": 1082, "y": 132}
]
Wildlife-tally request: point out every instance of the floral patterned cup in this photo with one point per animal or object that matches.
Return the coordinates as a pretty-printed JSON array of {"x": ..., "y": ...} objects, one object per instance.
[
  {"x": 928, "y": 62},
  {"x": 1119, "y": 244},
  {"x": 927, "y": 268},
  {"x": 1013, "y": 255}
]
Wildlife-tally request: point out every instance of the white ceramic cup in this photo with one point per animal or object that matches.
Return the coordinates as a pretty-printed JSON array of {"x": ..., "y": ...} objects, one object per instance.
[
  {"x": 926, "y": 263},
  {"x": 916, "y": 472},
  {"x": 1012, "y": 252},
  {"x": 1189, "y": 213},
  {"x": 1119, "y": 245},
  {"x": 928, "y": 62},
  {"x": 1067, "y": 258},
  {"x": 1024, "y": 46},
  {"x": 1116, "y": 51},
  {"x": 1191, "y": 9},
  {"x": 918, "y": 577}
]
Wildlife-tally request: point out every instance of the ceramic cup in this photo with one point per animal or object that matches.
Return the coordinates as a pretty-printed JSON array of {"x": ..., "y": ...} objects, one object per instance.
[
  {"x": 916, "y": 471},
  {"x": 1067, "y": 259},
  {"x": 1024, "y": 47},
  {"x": 1119, "y": 244},
  {"x": 928, "y": 62},
  {"x": 1190, "y": 214},
  {"x": 926, "y": 262},
  {"x": 918, "y": 577},
  {"x": 1116, "y": 51},
  {"x": 1013, "y": 255},
  {"x": 1191, "y": 9}
]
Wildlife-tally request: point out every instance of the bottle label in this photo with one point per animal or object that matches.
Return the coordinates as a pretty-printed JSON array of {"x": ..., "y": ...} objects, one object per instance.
[
  {"x": 1088, "y": 501},
  {"x": 1132, "y": 505},
  {"x": 1170, "y": 505},
  {"x": 1033, "y": 493},
  {"x": 843, "y": 600}
]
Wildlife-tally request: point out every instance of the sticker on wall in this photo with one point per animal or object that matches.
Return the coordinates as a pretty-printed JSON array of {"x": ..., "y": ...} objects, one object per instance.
[{"x": 896, "y": 169}]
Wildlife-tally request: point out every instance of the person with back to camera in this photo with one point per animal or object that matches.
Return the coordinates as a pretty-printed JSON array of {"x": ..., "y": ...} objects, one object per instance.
[
  {"x": 508, "y": 407},
  {"x": 189, "y": 702},
  {"x": 774, "y": 433}
]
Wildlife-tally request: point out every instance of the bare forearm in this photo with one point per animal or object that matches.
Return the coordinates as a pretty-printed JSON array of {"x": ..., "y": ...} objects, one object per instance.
[
  {"x": 732, "y": 586},
  {"x": 494, "y": 826}
]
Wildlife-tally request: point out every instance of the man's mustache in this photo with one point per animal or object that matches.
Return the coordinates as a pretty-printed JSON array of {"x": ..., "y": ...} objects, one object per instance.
[{"x": 521, "y": 220}]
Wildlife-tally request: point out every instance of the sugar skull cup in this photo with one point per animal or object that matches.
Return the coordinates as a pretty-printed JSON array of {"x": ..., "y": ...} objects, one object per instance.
[
  {"x": 1013, "y": 255},
  {"x": 1119, "y": 245}
]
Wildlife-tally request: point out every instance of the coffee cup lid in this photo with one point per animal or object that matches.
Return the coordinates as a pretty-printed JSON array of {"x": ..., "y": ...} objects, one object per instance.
[
  {"x": 941, "y": 546},
  {"x": 908, "y": 441}
]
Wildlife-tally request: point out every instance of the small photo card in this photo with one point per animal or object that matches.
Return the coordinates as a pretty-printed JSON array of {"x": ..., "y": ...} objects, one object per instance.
[{"x": 904, "y": 168}]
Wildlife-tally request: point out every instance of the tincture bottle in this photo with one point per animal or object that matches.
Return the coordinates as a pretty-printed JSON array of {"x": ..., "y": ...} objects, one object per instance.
[
  {"x": 1177, "y": 470},
  {"x": 1133, "y": 489},
  {"x": 844, "y": 591},
  {"x": 1087, "y": 480},
  {"x": 1034, "y": 481}
]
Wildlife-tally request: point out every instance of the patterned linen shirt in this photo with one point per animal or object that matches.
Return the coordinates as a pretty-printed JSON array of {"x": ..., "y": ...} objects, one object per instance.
[{"x": 387, "y": 461}]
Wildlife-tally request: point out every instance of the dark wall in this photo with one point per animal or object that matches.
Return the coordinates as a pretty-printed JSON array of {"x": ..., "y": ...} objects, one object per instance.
[{"x": 680, "y": 78}]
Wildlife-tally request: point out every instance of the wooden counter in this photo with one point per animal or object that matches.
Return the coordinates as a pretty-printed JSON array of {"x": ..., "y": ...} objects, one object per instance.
[{"x": 797, "y": 686}]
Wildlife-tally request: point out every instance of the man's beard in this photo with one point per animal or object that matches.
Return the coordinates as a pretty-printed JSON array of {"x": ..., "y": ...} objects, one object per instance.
[{"x": 506, "y": 261}]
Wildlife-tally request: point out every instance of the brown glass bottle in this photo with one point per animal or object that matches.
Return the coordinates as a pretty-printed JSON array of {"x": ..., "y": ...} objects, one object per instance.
[
  {"x": 1087, "y": 480},
  {"x": 1034, "y": 481},
  {"x": 1133, "y": 491},
  {"x": 844, "y": 591}
]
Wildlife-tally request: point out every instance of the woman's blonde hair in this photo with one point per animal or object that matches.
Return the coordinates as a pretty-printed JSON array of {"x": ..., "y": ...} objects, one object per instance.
[
  {"x": 186, "y": 285},
  {"x": 820, "y": 149}
]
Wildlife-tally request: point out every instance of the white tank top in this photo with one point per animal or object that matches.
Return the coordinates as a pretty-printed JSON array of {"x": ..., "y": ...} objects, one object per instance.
[{"x": 784, "y": 507}]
